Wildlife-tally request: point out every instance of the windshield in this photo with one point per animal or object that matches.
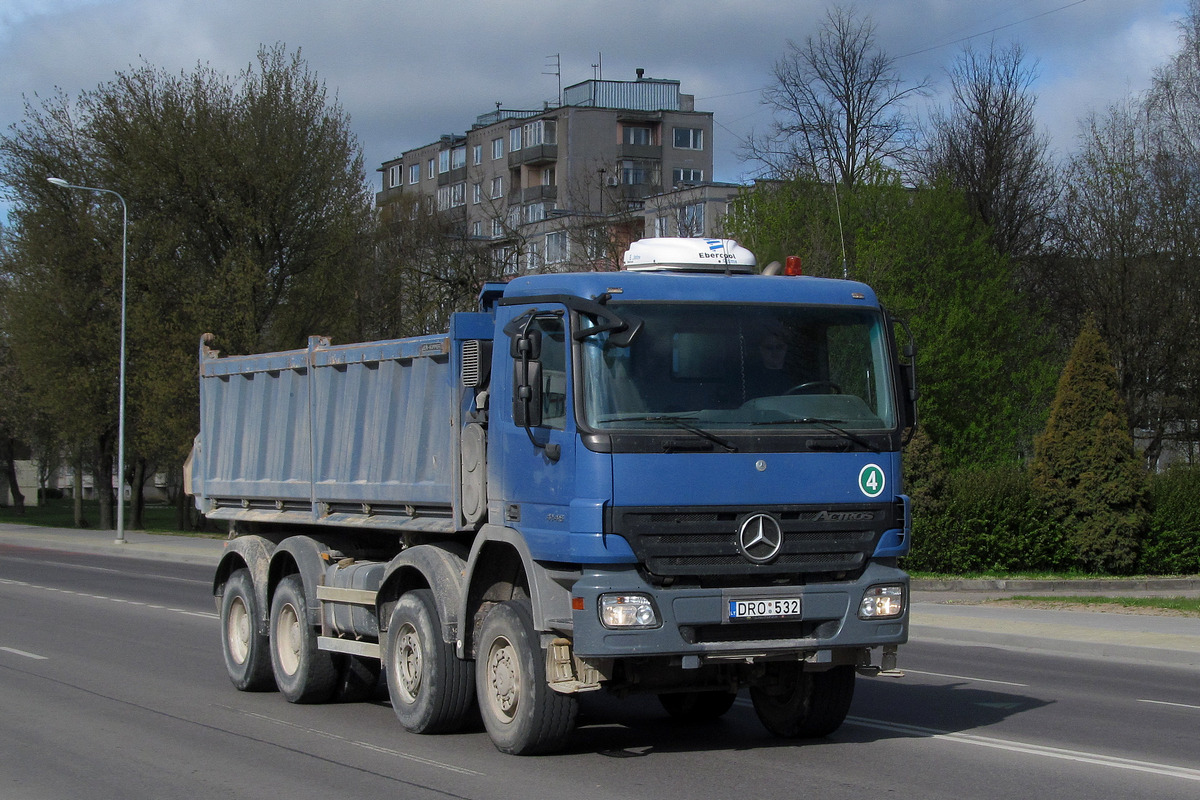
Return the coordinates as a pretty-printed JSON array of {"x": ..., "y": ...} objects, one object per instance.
[{"x": 724, "y": 366}]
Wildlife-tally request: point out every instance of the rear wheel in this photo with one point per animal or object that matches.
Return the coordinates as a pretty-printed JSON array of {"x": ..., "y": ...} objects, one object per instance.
[
  {"x": 522, "y": 714},
  {"x": 303, "y": 673},
  {"x": 247, "y": 652},
  {"x": 795, "y": 704},
  {"x": 431, "y": 688},
  {"x": 697, "y": 706}
]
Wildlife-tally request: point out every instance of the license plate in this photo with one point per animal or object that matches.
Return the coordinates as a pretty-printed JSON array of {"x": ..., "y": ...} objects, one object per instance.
[{"x": 759, "y": 609}]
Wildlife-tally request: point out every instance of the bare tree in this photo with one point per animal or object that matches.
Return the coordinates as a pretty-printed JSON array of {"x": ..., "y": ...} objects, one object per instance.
[
  {"x": 988, "y": 144},
  {"x": 1123, "y": 266},
  {"x": 839, "y": 105}
]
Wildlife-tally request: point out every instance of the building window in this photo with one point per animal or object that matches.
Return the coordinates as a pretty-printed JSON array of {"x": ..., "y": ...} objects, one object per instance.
[
  {"x": 662, "y": 227},
  {"x": 691, "y": 220},
  {"x": 556, "y": 247},
  {"x": 477, "y": 193},
  {"x": 514, "y": 140},
  {"x": 458, "y": 157},
  {"x": 497, "y": 187},
  {"x": 414, "y": 173},
  {"x": 497, "y": 149},
  {"x": 477, "y": 155},
  {"x": 548, "y": 176},
  {"x": 533, "y": 256},
  {"x": 443, "y": 162},
  {"x": 497, "y": 227},
  {"x": 430, "y": 169},
  {"x": 687, "y": 176},
  {"x": 534, "y": 212},
  {"x": 689, "y": 138},
  {"x": 637, "y": 135},
  {"x": 477, "y": 229},
  {"x": 458, "y": 195},
  {"x": 634, "y": 173},
  {"x": 541, "y": 132},
  {"x": 395, "y": 176}
]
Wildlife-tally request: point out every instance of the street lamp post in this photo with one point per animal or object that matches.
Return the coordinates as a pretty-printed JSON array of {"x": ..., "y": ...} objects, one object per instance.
[{"x": 121, "y": 383}]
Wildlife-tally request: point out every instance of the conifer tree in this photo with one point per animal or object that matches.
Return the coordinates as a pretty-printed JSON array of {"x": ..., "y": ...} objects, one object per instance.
[{"x": 1085, "y": 468}]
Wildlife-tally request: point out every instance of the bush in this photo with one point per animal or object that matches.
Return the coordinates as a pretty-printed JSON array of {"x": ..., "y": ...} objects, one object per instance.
[
  {"x": 990, "y": 521},
  {"x": 1172, "y": 544}
]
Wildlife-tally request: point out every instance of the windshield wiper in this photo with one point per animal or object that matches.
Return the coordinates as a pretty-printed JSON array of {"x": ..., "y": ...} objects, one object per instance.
[
  {"x": 831, "y": 425},
  {"x": 682, "y": 423}
]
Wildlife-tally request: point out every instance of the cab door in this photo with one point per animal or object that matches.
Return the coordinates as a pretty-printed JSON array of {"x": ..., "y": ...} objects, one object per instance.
[{"x": 537, "y": 473}]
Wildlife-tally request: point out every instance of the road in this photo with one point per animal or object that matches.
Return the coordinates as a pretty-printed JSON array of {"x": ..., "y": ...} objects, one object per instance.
[{"x": 112, "y": 686}]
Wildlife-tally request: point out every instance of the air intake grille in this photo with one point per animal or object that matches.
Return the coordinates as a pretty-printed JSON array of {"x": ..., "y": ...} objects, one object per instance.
[{"x": 817, "y": 541}]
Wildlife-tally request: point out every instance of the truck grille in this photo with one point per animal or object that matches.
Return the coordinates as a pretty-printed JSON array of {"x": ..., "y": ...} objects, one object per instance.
[{"x": 817, "y": 540}]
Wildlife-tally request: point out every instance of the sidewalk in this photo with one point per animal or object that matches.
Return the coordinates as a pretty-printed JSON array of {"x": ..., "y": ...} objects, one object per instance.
[
  {"x": 153, "y": 546},
  {"x": 942, "y": 611}
]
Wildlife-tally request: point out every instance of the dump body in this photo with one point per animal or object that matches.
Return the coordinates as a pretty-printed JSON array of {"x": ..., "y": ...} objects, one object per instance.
[{"x": 361, "y": 434}]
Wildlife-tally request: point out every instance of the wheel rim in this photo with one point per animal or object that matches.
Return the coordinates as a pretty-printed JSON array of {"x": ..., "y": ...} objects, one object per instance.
[
  {"x": 406, "y": 663},
  {"x": 503, "y": 679},
  {"x": 237, "y": 631},
  {"x": 288, "y": 639}
]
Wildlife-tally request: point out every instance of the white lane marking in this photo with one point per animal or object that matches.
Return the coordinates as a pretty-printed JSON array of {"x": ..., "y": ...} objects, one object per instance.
[
  {"x": 963, "y": 678},
  {"x": 1173, "y": 705},
  {"x": 24, "y": 653},
  {"x": 1080, "y": 756},
  {"x": 365, "y": 745},
  {"x": 106, "y": 598}
]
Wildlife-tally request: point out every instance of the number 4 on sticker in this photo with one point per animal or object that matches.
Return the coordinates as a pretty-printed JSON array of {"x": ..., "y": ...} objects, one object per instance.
[{"x": 871, "y": 480}]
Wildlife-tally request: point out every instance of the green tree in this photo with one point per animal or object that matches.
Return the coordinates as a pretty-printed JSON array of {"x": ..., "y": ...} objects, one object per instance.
[
  {"x": 1085, "y": 468},
  {"x": 249, "y": 218},
  {"x": 982, "y": 366}
]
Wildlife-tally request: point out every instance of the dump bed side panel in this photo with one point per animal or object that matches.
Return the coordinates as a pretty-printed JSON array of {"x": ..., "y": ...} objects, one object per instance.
[{"x": 351, "y": 434}]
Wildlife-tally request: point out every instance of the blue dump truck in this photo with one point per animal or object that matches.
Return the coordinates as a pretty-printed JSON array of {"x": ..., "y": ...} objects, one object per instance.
[{"x": 681, "y": 480}]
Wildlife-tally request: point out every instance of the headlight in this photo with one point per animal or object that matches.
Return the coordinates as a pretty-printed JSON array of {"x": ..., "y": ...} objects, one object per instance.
[
  {"x": 882, "y": 602},
  {"x": 628, "y": 611}
]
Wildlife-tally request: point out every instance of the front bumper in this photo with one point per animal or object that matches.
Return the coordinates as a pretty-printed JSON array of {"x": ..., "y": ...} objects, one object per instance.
[{"x": 695, "y": 622}]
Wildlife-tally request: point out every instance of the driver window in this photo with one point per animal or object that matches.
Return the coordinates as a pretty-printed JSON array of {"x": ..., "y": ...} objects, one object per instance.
[{"x": 554, "y": 372}]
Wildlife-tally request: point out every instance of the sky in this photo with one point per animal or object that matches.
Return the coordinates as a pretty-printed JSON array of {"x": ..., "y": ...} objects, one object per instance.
[{"x": 409, "y": 71}]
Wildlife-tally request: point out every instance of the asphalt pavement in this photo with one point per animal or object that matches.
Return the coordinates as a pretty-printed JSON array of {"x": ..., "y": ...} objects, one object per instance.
[{"x": 958, "y": 611}]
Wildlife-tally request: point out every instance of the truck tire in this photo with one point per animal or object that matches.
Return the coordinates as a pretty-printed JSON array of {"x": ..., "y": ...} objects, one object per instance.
[
  {"x": 247, "y": 652},
  {"x": 697, "y": 706},
  {"x": 303, "y": 673},
  {"x": 432, "y": 690},
  {"x": 520, "y": 711},
  {"x": 797, "y": 704}
]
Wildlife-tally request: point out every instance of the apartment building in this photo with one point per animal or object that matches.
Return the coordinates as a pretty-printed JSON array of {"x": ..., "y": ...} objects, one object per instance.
[{"x": 563, "y": 187}]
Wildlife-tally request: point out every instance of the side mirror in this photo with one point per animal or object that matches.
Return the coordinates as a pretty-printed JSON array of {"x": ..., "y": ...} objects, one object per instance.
[
  {"x": 526, "y": 345},
  {"x": 527, "y": 394}
]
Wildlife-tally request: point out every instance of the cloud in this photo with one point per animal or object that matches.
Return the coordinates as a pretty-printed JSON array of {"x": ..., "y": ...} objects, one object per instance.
[{"x": 409, "y": 71}]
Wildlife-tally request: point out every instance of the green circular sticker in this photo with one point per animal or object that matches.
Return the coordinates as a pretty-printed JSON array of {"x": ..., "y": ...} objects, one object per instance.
[{"x": 871, "y": 480}]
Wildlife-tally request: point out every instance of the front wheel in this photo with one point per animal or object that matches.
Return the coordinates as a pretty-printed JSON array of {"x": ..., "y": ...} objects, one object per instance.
[
  {"x": 431, "y": 688},
  {"x": 303, "y": 673},
  {"x": 795, "y": 704},
  {"x": 522, "y": 714},
  {"x": 247, "y": 652}
]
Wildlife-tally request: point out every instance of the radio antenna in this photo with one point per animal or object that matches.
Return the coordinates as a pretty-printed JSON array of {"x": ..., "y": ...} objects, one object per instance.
[{"x": 837, "y": 205}]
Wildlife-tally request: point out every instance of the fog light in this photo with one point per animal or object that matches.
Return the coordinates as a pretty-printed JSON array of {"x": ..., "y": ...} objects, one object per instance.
[
  {"x": 882, "y": 602},
  {"x": 627, "y": 611}
]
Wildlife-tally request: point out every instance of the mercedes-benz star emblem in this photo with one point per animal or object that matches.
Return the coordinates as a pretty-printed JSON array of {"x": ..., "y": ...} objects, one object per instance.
[{"x": 760, "y": 538}]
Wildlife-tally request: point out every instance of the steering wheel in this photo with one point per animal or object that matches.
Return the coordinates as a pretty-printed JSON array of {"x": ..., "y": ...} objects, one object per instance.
[{"x": 835, "y": 389}]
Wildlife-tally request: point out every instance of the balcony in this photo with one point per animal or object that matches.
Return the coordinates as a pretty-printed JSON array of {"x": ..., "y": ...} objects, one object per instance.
[
  {"x": 538, "y": 194},
  {"x": 652, "y": 152},
  {"x": 537, "y": 154}
]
